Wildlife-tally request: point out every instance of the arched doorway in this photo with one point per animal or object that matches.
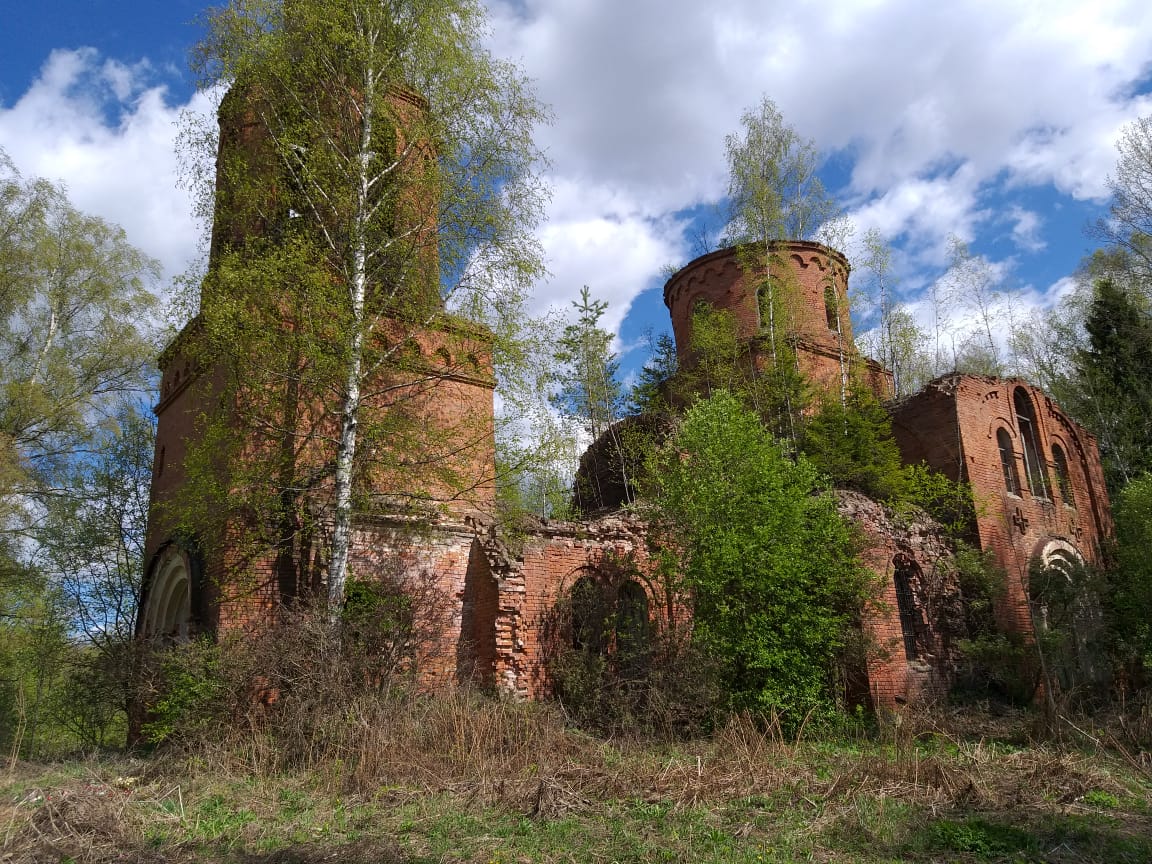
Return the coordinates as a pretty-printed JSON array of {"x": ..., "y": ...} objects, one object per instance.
[{"x": 168, "y": 606}]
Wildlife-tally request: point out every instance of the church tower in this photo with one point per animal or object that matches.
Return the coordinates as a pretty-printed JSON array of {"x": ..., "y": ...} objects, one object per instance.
[
  {"x": 808, "y": 283},
  {"x": 259, "y": 425}
]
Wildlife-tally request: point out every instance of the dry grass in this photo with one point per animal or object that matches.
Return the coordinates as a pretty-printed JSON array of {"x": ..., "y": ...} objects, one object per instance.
[
  {"x": 352, "y": 767},
  {"x": 464, "y": 763}
]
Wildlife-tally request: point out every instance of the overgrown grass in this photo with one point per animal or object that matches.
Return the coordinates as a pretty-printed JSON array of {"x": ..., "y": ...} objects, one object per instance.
[{"x": 464, "y": 778}]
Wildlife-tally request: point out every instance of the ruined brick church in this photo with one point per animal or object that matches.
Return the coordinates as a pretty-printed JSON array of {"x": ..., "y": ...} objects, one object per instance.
[{"x": 1035, "y": 472}]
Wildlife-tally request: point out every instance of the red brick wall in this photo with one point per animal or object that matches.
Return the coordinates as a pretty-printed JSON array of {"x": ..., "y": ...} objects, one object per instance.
[
  {"x": 952, "y": 425},
  {"x": 449, "y": 399},
  {"x": 555, "y": 555},
  {"x": 892, "y": 676}
]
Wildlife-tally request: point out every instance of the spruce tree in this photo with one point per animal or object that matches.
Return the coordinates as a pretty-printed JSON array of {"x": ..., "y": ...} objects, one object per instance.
[{"x": 1112, "y": 382}]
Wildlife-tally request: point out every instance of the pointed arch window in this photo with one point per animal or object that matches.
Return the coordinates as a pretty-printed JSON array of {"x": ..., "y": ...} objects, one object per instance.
[
  {"x": 1063, "y": 482},
  {"x": 1008, "y": 461},
  {"x": 1029, "y": 437}
]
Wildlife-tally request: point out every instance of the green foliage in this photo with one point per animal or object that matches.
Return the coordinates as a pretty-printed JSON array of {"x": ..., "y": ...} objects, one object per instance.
[
  {"x": 981, "y": 839},
  {"x": 190, "y": 690},
  {"x": 588, "y": 390},
  {"x": 1127, "y": 596},
  {"x": 34, "y": 652},
  {"x": 950, "y": 503},
  {"x": 851, "y": 443},
  {"x": 73, "y": 296},
  {"x": 75, "y": 460},
  {"x": 983, "y": 585},
  {"x": 999, "y": 666},
  {"x": 777, "y": 393},
  {"x": 1114, "y": 377},
  {"x": 388, "y": 173},
  {"x": 650, "y": 393},
  {"x": 895, "y": 340},
  {"x": 770, "y": 566},
  {"x": 773, "y": 188}
]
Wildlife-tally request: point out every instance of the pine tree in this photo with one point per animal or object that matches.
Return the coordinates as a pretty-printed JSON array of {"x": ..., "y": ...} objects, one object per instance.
[
  {"x": 650, "y": 392},
  {"x": 850, "y": 442},
  {"x": 588, "y": 391}
]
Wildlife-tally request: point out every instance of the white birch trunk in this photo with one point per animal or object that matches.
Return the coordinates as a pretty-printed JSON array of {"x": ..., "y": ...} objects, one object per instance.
[{"x": 349, "y": 413}]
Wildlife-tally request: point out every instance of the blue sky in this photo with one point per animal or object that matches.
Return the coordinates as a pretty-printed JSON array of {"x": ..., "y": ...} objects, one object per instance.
[{"x": 991, "y": 121}]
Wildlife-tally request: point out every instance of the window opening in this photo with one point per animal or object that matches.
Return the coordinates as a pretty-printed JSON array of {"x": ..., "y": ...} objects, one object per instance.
[
  {"x": 588, "y": 616},
  {"x": 910, "y": 621},
  {"x": 1062, "y": 480},
  {"x": 1008, "y": 461},
  {"x": 1033, "y": 466},
  {"x": 764, "y": 306},
  {"x": 631, "y": 619},
  {"x": 830, "y": 309},
  {"x": 169, "y": 610}
]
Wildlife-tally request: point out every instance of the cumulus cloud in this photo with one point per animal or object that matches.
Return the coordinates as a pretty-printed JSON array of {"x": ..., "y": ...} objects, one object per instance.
[
  {"x": 107, "y": 131},
  {"x": 936, "y": 114},
  {"x": 935, "y": 106}
]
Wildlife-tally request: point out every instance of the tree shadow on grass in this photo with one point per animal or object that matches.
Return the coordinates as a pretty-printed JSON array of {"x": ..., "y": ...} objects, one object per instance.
[{"x": 1052, "y": 838}]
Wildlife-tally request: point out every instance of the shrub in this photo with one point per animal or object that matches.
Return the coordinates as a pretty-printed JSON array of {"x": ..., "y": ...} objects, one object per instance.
[{"x": 768, "y": 564}]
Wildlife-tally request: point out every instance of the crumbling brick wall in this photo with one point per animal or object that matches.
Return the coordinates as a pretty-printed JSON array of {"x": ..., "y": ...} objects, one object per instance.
[
  {"x": 916, "y": 616},
  {"x": 975, "y": 428},
  {"x": 553, "y": 556}
]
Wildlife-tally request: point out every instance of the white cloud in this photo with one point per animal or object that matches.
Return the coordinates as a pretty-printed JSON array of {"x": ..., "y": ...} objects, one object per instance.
[
  {"x": 935, "y": 111},
  {"x": 935, "y": 105},
  {"x": 596, "y": 236},
  {"x": 1026, "y": 226},
  {"x": 107, "y": 132}
]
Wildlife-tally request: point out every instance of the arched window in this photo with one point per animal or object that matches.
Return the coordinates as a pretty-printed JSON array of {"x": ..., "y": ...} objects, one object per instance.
[
  {"x": 1008, "y": 461},
  {"x": 764, "y": 297},
  {"x": 1062, "y": 480},
  {"x": 631, "y": 619},
  {"x": 911, "y": 622},
  {"x": 588, "y": 615},
  {"x": 830, "y": 313},
  {"x": 1033, "y": 466}
]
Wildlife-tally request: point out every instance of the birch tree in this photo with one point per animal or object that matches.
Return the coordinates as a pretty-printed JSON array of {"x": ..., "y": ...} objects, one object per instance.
[
  {"x": 775, "y": 194},
  {"x": 382, "y": 172},
  {"x": 75, "y": 348},
  {"x": 896, "y": 341},
  {"x": 74, "y": 306},
  {"x": 1129, "y": 222}
]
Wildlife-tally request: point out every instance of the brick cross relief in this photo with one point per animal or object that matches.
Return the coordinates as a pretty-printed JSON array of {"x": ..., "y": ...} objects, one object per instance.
[{"x": 1020, "y": 521}]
